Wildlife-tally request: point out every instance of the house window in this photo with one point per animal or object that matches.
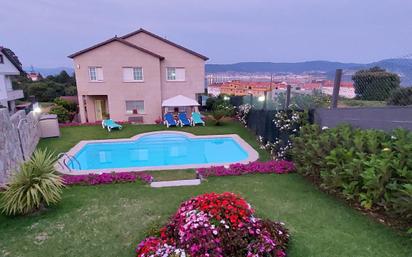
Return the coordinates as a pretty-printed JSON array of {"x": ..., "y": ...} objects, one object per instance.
[
  {"x": 1, "y": 59},
  {"x": 96, "y": 73},
  {"x": 175, "y": 74},
  {"x": 131, "y": 74},
  {"x": 135, "y": 107}
]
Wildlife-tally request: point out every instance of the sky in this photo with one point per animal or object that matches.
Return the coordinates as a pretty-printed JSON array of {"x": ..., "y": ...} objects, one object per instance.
[{"x": 44, "y": 32}]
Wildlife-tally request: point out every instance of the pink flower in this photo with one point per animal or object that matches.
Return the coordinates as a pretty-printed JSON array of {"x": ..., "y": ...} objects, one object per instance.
[{"x": 277, "y": 167}]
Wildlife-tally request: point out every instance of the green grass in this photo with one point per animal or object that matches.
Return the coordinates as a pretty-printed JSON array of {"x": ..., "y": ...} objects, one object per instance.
[
  {"x": 360, "y": 103},
  {"x": 109, "y": 220},
  {"x": 70, "y": 136},
  {"x": 165, "y": 175}
]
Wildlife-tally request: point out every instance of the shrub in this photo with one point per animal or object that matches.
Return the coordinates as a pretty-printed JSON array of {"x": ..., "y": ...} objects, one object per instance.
[
  {"x": 367, "y": 166},
  {"x": 35, "y": 185},
  {"x": 401, "y": 96},
  {"x": 69, "y": 106},
  {"x": 288, "y": 124},
  {"x": 243, "y": 113},
  {"x": 221, "y": 111},
  {"x": 212, "y": 102},
  {"x": 62, "y": 114},
  {"x": 217, "y": 225},
  {"x": 303, "y": 101}
]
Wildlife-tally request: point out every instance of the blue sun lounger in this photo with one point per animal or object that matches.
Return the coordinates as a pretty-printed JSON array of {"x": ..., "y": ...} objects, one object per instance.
[
  {"x": 110, "y": 124},
  {"x": 184, "y": 121},
  {"x": 197, "y": 119},
  {"x": 169, "y": 120}
]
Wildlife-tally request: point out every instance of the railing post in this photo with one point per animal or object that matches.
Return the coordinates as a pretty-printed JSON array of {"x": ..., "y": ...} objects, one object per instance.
[
  {"x": 336, "y": 87},
  {"x": 288, "y": 90},
  {"x": 266, "y": 99}
]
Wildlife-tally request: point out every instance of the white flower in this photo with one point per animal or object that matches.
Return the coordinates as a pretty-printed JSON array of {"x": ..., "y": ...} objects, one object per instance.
[{"x": 324, "y": 128}]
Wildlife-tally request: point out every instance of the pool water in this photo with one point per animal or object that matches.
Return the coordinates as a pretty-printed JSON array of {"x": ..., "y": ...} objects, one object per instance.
[{"x": 159, "y": 150}]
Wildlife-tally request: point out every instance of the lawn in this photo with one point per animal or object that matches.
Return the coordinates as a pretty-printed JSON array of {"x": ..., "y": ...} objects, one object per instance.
[
  {"x": 109, "y": 220},
  {"x": 360, "y": 103}
]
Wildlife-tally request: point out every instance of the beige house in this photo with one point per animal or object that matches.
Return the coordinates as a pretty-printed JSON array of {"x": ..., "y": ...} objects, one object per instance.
[{"x": 127, "y": 78}]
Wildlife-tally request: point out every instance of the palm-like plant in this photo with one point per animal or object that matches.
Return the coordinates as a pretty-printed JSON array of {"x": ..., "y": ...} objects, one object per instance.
[
  {"x": 36, "y": 184},
  {"x": 220, "y": 111}
]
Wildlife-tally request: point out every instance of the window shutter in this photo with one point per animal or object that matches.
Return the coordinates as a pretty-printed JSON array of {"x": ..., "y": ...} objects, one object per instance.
[
  {"x": 99, "y": 73},
  {"x": 180, "y": 74},
  {"x": 127, "y": 74}
]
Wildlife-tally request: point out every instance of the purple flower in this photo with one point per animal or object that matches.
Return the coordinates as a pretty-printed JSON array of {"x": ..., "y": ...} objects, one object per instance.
[
  {"x": 277, "y": 167},
  {"x": 107, "y": 178}
]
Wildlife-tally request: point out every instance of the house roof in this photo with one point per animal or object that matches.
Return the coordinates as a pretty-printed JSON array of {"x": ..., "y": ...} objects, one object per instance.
[
  {"x": 178, "y": 101},
  {"x": 166, "y": 41},
  {"x": 12, "y": 58},
  {"x": 115, "y": 39}
]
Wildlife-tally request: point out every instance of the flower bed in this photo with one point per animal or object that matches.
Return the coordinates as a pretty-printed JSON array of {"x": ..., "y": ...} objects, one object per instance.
[
  {"x": 277, "y": 167},
  {"x": 107, "y": 178},
  {"x": 216, "y": 225}
]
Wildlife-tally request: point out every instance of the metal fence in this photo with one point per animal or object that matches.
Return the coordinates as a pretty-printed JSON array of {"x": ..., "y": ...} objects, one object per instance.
[
  {"x": 283, "y": 100},
  {"x": 373, "y": 87},
  {"x": 361, "y": 86}
]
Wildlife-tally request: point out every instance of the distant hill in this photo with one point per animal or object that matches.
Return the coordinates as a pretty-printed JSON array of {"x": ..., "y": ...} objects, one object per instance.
[
  {"x": 298, "y": 67},
  {"x": 49, "y": 71},
  {"x": 402, "y": 66}
]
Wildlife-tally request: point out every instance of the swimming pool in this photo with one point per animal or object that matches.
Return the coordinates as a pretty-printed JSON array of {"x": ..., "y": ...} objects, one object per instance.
[{"x": 158, "y": 150}]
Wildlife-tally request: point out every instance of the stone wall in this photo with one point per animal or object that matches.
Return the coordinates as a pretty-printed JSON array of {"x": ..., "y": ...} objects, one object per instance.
[{"x": 19, "y": 135}]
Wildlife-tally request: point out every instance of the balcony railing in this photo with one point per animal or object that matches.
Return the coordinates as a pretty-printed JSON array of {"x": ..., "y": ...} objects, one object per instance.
[{"x": 14, "y": 94}]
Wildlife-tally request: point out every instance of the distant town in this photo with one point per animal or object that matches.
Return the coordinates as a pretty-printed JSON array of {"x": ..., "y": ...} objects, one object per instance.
[{"x": 259, "y": 84}]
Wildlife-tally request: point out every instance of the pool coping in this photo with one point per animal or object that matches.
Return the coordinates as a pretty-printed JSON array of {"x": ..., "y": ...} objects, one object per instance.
[{"x": 252, "y": 154}]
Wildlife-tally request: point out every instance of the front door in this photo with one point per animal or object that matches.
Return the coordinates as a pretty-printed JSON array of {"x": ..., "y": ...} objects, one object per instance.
[{"x": 99, "y": 109}]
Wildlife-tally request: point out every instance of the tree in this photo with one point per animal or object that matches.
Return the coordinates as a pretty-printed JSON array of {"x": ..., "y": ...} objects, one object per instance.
[
  {"x": 375, "y": 84},
  {"x": 63, "y": 78},
  {"x": 401, "y": 96},
  {"x": 70, "y": 90},
  {"x": 45, "y": 90}
]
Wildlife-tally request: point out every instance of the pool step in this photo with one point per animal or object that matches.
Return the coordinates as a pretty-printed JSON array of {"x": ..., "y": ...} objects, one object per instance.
[{"x": 176, "y": 183}]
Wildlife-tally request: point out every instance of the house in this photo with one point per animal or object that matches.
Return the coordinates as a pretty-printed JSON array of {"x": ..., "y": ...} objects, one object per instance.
[
  {"x": 214, "y": 89},
  {"x": 326, "y": 86},
  {"x": 9, "y": 66},
  {"x": 242, "y": 88},
  {"x": 127, "y": 78},
  {"x": 34, "y": 76}
]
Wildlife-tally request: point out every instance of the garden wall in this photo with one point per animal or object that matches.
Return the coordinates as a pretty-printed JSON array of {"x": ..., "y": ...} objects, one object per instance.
[
  {"x": 385, "y": 118},
  {"x": 17, "y": 142}
]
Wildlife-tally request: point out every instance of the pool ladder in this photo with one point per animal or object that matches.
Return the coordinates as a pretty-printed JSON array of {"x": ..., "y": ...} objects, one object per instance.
[{"x": 70, "y": 158}]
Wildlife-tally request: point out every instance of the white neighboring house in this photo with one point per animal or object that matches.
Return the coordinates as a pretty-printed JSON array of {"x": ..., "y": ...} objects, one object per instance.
[
  {"x": 214, "y": 89},
  {"x": 9, "y": 66}
]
